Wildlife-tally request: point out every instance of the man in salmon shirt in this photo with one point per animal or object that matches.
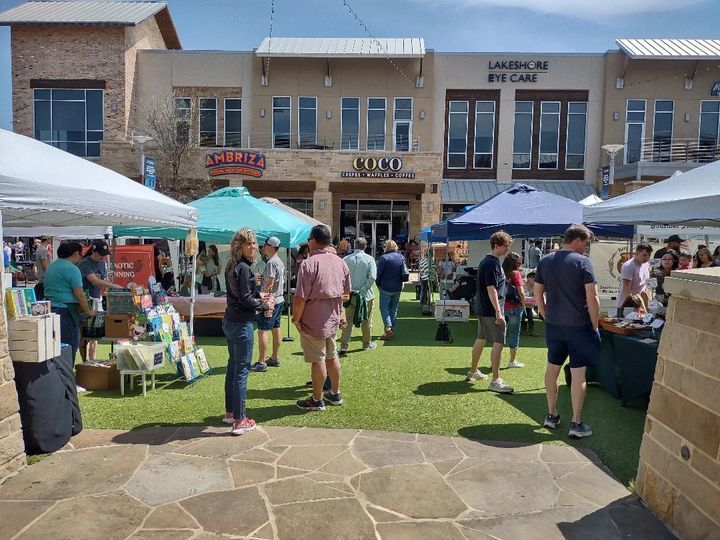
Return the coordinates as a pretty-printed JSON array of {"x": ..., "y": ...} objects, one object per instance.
[{"x": 323, "y": 281}]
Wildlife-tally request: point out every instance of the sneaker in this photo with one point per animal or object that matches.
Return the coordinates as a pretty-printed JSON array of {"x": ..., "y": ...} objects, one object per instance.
[
  {"x": 501, "y": 387},
  {"x": 80, "y": 389},
  {"x": 516, "y": 364},
  {"x": 258, "y": 367},
  {"x": 272, "y": 362},
  {"x": 343, "y": 350},
  {"x": 228, "y": 418},
  {"x": 476, "y": 375},
  {"x": 309, "y": 383},
  {"x": 310, "y": 404},
  {"x": 371, "y": 346},
  {"x": 551, "y": 421},
  {"x": 333, "y": 399},
  {"x": 579, "y": 430},
  {"x": 243, "y": 426}
]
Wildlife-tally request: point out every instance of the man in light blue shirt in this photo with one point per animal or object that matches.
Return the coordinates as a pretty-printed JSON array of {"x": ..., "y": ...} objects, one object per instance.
[{"x": 363, "y": 273}]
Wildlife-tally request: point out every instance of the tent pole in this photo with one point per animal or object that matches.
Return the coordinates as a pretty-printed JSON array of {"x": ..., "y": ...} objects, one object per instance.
[
  {"x": 288, "y": 272},
  {"x": 192, "y": 295}
]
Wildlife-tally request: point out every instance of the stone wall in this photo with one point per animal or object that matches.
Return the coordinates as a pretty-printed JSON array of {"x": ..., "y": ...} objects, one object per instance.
[
  {"x": 679, "y": 471},
  {"x": 12, "y": 448}
]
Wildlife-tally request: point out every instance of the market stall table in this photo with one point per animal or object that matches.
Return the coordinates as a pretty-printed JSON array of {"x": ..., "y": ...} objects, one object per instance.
[{"x": 205, "y": 304}]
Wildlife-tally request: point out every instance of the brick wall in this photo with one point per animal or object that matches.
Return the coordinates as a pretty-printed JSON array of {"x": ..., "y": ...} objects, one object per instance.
[
  {"x": 679, "y": 472},
  {"x": 69, "y": 52},
  {"x": 12, "y": 448}
]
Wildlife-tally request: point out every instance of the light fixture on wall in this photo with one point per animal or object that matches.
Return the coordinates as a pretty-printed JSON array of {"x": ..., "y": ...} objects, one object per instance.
[
  {"x": 431, "y": 206},
  {"x": 620, "y": 83},
  {"x": 419, "y": 81},
  {"x": 113, "y": 106},
  {"x": 328, "y": 114},
  {"x": 262, "y": 112},
  {"x": 263, "y": 80},
  {"x": 328, "y": 80},
  {"x": 422, "y": 115},
  {"x": 687, "y": 116},
  {"x": 21, "y": 104},
  {"x": 688, "y": 84},
  {"x": 322, "y": 205},
  {"x": 616, "y": 116}
]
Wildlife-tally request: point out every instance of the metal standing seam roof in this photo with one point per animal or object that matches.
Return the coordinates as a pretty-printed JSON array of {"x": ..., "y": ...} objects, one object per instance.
[
  {"x": 478, "y": 191},
  {"x": 342, "y": 47},
  {"x": 121, "y": 13},
  {"x": 671, "y": 49}
]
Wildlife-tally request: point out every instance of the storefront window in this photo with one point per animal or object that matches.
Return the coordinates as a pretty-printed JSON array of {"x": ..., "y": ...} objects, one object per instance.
[
  {"x": 303, "y": 205},
  {"x": 575, "y": 147},
  {"x": 402, "y": 124},
  {"x": 662, "y": 130},
  {"x": 208, "y": 122},
  {"x": 307, "y": 121},
  {"x": 71, "y": 120},
  {"x": 350, "y": 124},
  {"x": 549, "y": 134},
  {"x": 522, "y": 141},
  {"x": 377, "y": 220},
  {"x": 457, "y": 134},
  {"x": 451, "y": 210},
  {"x": 281, "y": 122},
  {"x": 233, "y": 122},
  {"x": 634, "y": 130},
  {"x": 484, "y": 134},
  {"x": 376, "y": 124},
  {"x": 709, "y": 123},
  {"x": 183, "y": 108}
]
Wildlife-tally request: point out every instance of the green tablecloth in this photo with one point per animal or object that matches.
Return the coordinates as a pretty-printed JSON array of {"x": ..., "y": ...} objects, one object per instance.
[{"x": 627, "y": 366}]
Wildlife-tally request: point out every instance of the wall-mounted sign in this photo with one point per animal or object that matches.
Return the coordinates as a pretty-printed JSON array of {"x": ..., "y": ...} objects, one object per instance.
[
  {"x": 715, "y": 89},
  {"x": 515, "y": 71},
  {"x": 149, "y": 172},
  {"x": 235, "y": 162},
  {"x": 605, "y": 182},
  {"x": 371, "y": 167}
]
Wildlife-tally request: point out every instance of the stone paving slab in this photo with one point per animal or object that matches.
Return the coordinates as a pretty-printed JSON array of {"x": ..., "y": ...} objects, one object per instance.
[{"x": 198, "y": 482}]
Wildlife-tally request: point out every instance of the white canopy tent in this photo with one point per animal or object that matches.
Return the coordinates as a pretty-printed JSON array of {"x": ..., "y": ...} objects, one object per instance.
[
  {"x": 691, "y": 198},
  {"x": 41, "y": 186}
]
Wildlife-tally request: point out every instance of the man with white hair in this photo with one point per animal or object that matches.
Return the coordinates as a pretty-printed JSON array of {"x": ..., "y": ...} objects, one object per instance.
[{"x": 363, "y": 272}]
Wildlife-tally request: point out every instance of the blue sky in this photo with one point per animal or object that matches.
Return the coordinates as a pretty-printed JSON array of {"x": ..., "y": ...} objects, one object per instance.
[{"x": 446, "y": 25}]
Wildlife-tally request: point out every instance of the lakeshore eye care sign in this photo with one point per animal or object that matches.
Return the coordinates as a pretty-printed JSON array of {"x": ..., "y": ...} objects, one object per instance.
[
  {"x": 372, "y": 167},
  {"x": 516, "y": 71}
]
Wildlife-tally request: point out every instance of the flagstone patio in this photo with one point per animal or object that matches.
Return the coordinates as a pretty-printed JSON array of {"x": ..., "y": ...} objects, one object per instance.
[{"x": 296, "y": 483}]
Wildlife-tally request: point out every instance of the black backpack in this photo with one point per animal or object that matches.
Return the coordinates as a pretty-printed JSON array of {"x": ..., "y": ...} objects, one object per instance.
[
  {"x": 511, "y": 293},
  {"x": 443, "y": 333}
]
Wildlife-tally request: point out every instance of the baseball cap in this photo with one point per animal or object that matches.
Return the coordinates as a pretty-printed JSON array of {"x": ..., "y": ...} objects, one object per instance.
[
  {"x": 273, "y": 241},
  {"x": 100, "y": 247},
  {"x": 674, "y": 238}
]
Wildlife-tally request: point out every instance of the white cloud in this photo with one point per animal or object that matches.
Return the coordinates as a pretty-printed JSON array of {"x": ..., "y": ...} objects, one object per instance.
[{"x": 585, "y": 9}]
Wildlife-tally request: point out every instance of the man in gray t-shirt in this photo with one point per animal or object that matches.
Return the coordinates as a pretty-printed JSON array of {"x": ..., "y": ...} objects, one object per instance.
[
  {"x": 273, "y": 282},
  {"x": 42, "y": 260}
]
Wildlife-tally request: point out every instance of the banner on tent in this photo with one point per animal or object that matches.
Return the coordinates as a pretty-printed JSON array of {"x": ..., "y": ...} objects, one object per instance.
[
  {"x": 607, "y": 259},
  {"x": 685, "y": 232},
  {"x": 133, "y": 264}
]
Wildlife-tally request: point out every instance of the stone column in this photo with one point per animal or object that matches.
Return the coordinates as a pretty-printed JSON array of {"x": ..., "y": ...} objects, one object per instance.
[
  {"x": 679, "y": 470},
  {"x": 12, "y": 447},
  {"x": 323, "y": 204}
]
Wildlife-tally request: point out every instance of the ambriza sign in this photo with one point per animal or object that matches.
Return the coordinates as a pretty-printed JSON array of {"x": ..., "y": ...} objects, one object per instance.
[
  {"x": 235, "y": 162},
  {"x": 500, "y": 71},
  {"x": 384, "y": 167}
]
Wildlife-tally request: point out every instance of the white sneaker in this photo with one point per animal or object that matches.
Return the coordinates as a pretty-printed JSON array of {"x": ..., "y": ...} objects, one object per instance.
[
  {"x": 476, "y": 375},
  {"x": 516, "y": 364},
  {"x": 500, "y": 386},
  {"x": 80, "y": 389}
]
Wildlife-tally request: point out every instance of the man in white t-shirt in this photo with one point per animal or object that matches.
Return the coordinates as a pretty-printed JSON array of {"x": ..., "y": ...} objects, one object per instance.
[
  {"x": 273, "y": 282},
  {"x": 634, "y": 276}
]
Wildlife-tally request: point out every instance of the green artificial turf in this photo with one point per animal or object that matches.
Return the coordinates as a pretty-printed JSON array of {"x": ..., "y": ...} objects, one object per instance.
[{"x": 411, "y": 383}]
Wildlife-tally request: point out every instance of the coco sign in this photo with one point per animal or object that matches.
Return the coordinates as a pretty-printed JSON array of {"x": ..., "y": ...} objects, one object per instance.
[{"x": 370, "y": 167}]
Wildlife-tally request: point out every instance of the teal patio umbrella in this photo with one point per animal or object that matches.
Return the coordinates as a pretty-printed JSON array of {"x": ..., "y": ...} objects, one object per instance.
[{"x": 226, "y": 210}]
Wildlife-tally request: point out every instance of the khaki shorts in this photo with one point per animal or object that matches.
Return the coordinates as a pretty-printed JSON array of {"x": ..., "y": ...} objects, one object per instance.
[
  {"x": 491, "y": 332},
  {"x": 317, "y": 350}
]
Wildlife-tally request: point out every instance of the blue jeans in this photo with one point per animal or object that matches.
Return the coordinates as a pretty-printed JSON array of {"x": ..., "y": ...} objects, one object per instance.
[
  {"x": 240, "y": 348},
  {"x": 389, "y": 302},
  {"x": 513, "y": 317},
  {"x": 69, "y": 331}
]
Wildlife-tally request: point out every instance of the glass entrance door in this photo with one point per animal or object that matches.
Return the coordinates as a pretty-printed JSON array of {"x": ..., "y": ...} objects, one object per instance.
[{"x": 375, "y": 232}]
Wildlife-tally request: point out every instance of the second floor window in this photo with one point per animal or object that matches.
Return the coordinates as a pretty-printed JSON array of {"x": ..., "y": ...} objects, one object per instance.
[
  {"x": 402, "y": 124},
  {"x": 183, "y": 112},
  {"x": 71, "y": 119},
  {"x": 549, "y": 134},
  {"x": 281, "y": 122},
  {"x": 233, "y": 122},
  {"x": 350, "y": 123},
  {"x": 484, "y": 134},
  {"x": 457, "y": 134},
  {"x": 208, "y": 122},
  {"x": 634, "y": 130},
  {"x": 376, "y": 124},
  {"x": 709, "y": 128},
  {"x": 576, "y": 129},
  {"x": 522, "y": 140},
  {"x": 662, "y": 129},
  {"x": 307, "y": 121}
]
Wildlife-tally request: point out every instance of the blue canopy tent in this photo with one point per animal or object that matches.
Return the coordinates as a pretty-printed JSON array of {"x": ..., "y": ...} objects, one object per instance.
[
  {"x": 226, "y": 210},
  {"x": 522, "y": 211}
]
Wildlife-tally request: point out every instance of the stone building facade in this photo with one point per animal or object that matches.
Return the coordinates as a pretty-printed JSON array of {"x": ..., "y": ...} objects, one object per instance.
[{"x": 12, "y": 447}]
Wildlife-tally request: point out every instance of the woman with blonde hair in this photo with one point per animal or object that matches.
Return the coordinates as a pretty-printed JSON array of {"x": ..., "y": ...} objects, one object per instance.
[
  {"x": 244, "y": 302},
  {"x": 391, "y": 270},
  {"x": 704, "y": 258}
]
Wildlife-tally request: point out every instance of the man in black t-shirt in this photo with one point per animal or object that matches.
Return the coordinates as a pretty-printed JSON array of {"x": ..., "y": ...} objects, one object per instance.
[
  {"x": 490, "y": 300},
  {"x": 673, "y": 243}
]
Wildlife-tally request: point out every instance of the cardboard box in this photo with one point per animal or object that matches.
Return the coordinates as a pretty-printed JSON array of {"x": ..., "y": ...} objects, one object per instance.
[
  {"x": 452, "y": 310},
  {"x": 97, "y": 377},
  {"x": 117, "y": 326}
]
